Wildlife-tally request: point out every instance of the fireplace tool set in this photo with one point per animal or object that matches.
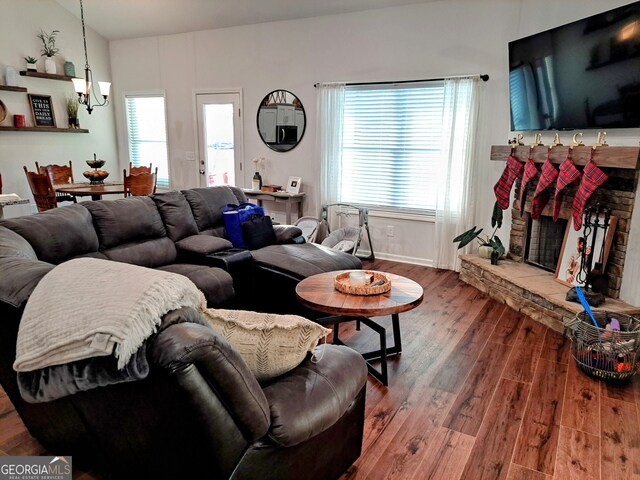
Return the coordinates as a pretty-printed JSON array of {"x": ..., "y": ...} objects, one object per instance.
[{"x": 591, "y": 274}]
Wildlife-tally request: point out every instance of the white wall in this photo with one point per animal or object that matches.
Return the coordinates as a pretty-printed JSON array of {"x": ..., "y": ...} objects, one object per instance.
[{"x": 20, "y": 22}]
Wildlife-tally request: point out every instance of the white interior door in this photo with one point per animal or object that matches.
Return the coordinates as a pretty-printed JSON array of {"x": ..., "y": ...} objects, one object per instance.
[{"x": 219, "y": 139}]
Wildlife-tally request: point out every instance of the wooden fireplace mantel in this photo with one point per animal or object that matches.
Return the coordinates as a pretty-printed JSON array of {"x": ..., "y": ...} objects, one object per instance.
[{"x": 612, "y": 157}]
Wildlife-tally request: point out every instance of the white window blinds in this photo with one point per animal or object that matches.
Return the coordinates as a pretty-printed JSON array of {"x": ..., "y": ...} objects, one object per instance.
[
  {"x": 147, "y": 131},
  {"x": 391, "y": 146}
]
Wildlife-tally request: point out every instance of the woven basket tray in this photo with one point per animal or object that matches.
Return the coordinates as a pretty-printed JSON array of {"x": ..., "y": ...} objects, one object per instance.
[{"x": 343, "y": 285}]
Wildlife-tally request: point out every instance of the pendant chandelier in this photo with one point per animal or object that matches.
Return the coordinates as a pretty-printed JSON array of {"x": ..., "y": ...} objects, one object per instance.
[{"x": 84, "y": 86}]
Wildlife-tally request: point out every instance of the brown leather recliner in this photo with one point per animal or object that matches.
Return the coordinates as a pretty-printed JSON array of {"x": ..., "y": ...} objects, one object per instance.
[{"x": 202, "y": 414}]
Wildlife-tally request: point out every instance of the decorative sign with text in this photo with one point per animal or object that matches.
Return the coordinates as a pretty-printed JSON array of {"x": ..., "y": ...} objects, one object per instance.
[{"x": 42, "y": 110}]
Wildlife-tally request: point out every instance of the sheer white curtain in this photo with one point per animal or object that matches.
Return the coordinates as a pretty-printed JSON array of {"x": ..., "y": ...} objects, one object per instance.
[
  {"x": 454, "y": 209},
  {"x": 330, "y": 127}
]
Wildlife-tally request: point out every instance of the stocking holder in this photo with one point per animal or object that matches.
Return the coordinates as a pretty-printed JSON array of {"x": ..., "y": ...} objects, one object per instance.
[{"x": 517, "y": 140}]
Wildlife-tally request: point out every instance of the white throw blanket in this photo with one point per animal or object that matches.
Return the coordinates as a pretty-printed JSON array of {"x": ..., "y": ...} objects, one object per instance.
[{"x": 84, "y": 308}]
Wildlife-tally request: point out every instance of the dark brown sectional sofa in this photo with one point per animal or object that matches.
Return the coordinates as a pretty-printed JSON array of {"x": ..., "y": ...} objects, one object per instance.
[{"x": 200, "y": 413}]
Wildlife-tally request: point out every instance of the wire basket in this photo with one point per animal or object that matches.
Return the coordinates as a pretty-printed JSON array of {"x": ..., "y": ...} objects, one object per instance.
[{"x": 605, "y": 354}]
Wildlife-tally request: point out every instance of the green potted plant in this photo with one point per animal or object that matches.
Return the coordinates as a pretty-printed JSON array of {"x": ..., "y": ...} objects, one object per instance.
[
  {"x": 31, "y": 63},
  {"x": 49, "y": 49},
  {"x": 490, "y": 247},
  {"x": 72, "y": 111}
]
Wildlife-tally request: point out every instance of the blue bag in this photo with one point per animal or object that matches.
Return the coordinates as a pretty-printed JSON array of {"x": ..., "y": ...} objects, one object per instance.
[{"x": 234, "y": 215}]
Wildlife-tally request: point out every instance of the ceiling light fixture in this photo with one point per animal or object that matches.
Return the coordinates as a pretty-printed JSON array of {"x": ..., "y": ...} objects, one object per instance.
[{"x": 83, "y": 86}]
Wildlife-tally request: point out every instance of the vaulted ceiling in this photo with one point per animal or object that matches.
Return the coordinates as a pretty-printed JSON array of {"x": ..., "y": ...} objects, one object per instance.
[{"x": 121, "y": 19}]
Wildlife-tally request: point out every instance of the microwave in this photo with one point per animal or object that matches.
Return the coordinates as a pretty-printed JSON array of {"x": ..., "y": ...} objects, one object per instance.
[{"x": 286, "y": 134}]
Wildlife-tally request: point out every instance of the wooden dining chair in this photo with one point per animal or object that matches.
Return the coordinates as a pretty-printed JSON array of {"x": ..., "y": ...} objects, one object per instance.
[
  {"x": 59, "y": 175},
  {"x": 140, "y": 169},
  {"x": 139, "y": 184},
  {"x": 42, "y": 190}
]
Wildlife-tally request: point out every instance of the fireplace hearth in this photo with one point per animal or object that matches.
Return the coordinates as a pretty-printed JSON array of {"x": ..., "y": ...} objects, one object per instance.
[{"x": 529, "y": 290}]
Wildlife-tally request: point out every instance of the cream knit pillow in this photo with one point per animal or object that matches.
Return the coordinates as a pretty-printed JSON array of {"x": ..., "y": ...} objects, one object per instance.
[{"x": 270, "y": 344}]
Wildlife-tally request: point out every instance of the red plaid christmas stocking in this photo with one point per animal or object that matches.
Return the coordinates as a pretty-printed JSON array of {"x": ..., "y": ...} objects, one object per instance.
[
  {"x": 568, "y": 174},
  {"x": 530, "y": 171},
  {"x": 548, "y": 175},
  {"x": 503, "y": 187},
  {"x": 592, "y": 178}
]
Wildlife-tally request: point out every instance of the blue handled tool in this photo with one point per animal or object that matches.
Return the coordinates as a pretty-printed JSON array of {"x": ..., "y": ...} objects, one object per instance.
[{"x": 587, "y": 309}]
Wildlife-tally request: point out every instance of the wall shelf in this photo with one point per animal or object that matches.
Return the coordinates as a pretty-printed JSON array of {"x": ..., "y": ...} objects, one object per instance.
[
  {"x": 49, "y": 76},
  {"x": 12, "y": 89},
  {"x": 612, "y": 157},
  {"x": 44, "y": 129}
]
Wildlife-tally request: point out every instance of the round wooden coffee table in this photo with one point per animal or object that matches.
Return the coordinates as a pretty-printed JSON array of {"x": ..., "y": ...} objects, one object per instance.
[{"x": 318, "y": 293}]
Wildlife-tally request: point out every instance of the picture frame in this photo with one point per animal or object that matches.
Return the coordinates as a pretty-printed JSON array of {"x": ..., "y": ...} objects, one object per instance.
[
  {"x": 569, "y": 263},
  {"x": 293, "y": 185},
  {"x": 42, "y": 110}
]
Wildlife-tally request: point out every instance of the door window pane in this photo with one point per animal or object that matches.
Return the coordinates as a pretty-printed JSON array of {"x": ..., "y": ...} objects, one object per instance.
[{"x": 220, "y": 144}]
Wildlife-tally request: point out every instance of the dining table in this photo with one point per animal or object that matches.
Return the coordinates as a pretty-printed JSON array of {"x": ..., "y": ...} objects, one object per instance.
[{"x": 85, "y": 189}]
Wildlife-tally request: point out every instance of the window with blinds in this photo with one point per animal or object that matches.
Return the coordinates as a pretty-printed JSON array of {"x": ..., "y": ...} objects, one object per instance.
[
  {"x": 392, "y": 139},
  {"x": 147, "y": 131}
]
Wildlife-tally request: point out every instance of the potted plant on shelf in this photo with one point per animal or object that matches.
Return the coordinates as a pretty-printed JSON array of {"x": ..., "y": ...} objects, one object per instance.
[
  {"x": 31, "y": 63},
  {"x": 490, "y": 247},
  {"x": 72, "y": 111},
  {"x": 49, "y": 49}
]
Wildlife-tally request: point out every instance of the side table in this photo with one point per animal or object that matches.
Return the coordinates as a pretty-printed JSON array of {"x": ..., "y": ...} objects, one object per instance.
[{"x": 289, "y": 199}]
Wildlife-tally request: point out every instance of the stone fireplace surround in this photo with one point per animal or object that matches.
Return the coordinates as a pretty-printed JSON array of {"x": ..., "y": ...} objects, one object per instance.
[{"x": 532, "y": 290}]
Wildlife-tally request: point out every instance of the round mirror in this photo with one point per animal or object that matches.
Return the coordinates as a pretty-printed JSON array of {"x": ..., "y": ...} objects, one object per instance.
[{"x": 281, "y": 120}]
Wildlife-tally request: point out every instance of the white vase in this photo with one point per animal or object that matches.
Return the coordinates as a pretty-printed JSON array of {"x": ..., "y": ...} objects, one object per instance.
[
  {"x": 32, "y": 67},
  {"x": 10, "y": 76},
  {"x": 484, "y": 251},
  {"x": 50, "y": 65}
]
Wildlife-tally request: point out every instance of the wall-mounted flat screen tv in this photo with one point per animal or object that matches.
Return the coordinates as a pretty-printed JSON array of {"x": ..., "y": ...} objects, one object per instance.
[{"x": 585, "y": 74}]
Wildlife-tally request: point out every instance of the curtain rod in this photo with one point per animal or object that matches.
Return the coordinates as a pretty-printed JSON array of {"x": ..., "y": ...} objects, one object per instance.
[{"x": 484, "y": 77}]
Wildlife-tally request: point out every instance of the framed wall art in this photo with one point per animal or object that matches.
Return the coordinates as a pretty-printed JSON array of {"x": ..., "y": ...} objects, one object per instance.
[{"x": 42, "y": 110}]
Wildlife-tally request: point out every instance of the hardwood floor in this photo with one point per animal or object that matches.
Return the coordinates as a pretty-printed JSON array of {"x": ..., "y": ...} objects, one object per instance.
[
  {"x": 479, "y": 392},
  {"x": 482, "y": 392}
]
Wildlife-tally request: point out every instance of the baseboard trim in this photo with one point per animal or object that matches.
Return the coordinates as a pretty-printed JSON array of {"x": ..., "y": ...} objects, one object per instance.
[{"x": 425, "y": 262}]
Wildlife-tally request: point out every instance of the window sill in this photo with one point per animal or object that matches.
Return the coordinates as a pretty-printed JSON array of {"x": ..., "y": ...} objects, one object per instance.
[{"x": 414, "y": 217}]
